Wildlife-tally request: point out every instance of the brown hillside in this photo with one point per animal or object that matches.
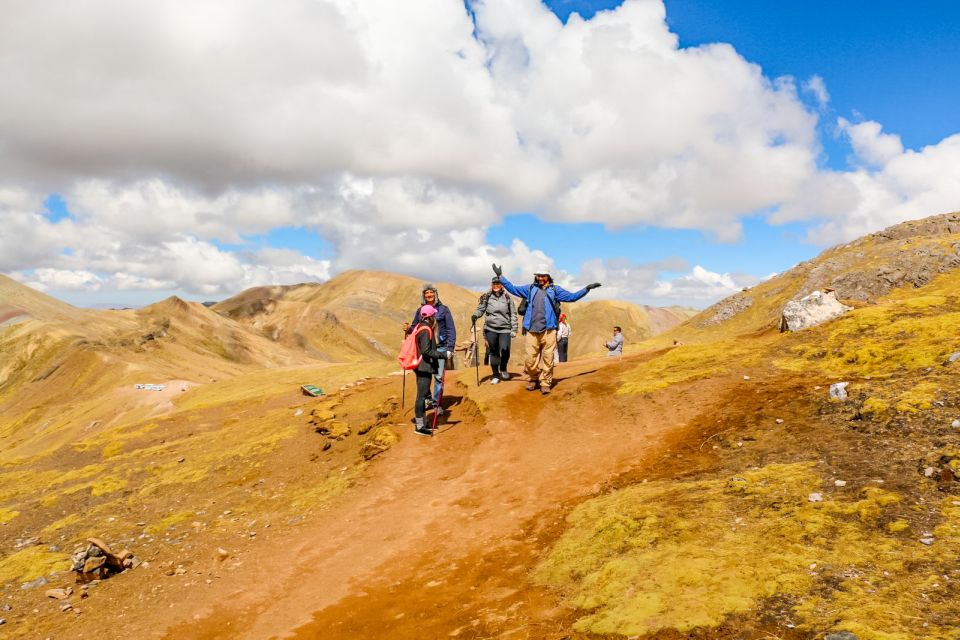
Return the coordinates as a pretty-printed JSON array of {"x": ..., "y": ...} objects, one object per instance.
[
  {"x": 591, "y": 323},
  {"x": 355, "y": 316}
]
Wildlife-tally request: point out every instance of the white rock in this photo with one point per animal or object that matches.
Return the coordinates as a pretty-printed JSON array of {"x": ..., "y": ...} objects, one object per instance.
[
  {"x": 928, "y": 472},
  {"x": 746, "y": 377},
  {"x": 815, "y": 497},
  {"x": 955, "y": 424},
  {"x": 298, "y": 412},
  {"x": 927, "y": 540},
  {"x": 811, "y": 310},
  {"x": 838, "y": 390},
  {"x": 839, "y": 483},
  {"x": 779, "y": 420}
]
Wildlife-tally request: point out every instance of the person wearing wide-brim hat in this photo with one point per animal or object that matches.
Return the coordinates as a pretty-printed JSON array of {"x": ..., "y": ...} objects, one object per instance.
[
  {"x": 540, "y": 321},
  {"x": 499, "y": 327}
]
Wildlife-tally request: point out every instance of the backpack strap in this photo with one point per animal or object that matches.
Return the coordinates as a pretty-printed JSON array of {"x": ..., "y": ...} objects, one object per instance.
[
  {"x": 485, "y": 299},
  {"x": 423, "y": 326}
]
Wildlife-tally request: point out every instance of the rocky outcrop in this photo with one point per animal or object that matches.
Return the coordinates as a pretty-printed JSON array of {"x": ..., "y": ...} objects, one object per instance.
[
  {"x": 811, "y": 310},
  {"x": 726, "y": 309}
]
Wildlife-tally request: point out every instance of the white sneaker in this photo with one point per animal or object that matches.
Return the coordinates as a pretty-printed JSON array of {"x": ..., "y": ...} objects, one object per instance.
[
  {"x": 495, "y": 381},
  {"x": 504, "y": 375}
]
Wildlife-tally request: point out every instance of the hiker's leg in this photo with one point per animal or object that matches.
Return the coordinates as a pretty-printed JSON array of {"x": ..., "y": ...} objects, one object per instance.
[
  {"x": 546, "y": 363},
  {"x": 531, "y": 349},
  {"x": 492, "y": 340},
  {"x": 438, "y": 381},
  {"x": 562, "y": 348},
  {"x": 505, "y": 351},
  {"x": 423, "y": 390}
]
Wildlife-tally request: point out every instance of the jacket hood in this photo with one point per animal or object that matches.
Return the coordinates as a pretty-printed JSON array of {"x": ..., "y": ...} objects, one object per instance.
[{"x": 423, "y": 295}]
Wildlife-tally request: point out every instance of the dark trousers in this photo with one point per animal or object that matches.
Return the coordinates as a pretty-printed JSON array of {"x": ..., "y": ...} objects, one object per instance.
[
  {"x": 499, "y": 345},
  {"x": 423, "y": 391},
  {"x": 562, "y": 345}
]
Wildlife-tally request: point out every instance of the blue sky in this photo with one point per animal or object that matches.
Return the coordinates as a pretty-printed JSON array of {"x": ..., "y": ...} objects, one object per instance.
[
  {"x": 894, "y": 62},
  {"x": 869, "y": 54},
  {"x": 199, "y": 202}
]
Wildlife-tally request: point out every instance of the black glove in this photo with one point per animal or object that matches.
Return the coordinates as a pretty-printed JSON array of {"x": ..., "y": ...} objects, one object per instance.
[
  {"x": 474, "y": 318},
  {"x": 497, "y": 270},
  {"x": 593, "y": 285}
]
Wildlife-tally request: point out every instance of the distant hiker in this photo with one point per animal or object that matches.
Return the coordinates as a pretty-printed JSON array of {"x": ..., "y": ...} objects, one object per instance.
[
  {"x": 427, "y": 348},
  {"x": 563, "y": 338},
  {"x": 446, "y": 335},
  {"x": 540, "y": 321},
  {"x": 615, "y": 345},
  {"x": 499, "y": 327}
]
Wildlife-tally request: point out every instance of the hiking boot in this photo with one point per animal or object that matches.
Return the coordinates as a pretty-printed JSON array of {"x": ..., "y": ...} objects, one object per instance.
[
  {"x": 531, "y": 386},
  {"x": 425, "y": 431},
  {"x": 504, "y": 375},
  {"x": 495, "y": 381},
  {"x": 545, "y": 391}
]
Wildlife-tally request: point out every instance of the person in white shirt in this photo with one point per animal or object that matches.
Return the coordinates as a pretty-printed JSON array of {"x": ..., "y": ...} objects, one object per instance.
[{"x": 563, "y": 338}]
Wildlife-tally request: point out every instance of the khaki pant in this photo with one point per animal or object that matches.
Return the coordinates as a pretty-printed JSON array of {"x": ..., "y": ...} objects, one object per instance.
[{"x": 538, "y": 350}]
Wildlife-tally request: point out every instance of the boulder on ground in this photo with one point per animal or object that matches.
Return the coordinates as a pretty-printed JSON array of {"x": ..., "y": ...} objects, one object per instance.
[{"x": 809, "y": 311}]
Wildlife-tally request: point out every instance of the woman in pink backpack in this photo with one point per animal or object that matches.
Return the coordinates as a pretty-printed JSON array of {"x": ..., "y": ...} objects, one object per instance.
[{"x": 425, "y": 333}]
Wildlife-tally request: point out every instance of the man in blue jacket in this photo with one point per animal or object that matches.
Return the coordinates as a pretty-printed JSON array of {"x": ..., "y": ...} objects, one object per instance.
[
  {"x": 540, "y": 321},
  {"x": 446, "y": 335}
]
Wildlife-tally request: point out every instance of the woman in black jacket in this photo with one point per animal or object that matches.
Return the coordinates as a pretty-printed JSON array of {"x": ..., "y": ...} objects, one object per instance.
[{"x": 429, "y": 363}]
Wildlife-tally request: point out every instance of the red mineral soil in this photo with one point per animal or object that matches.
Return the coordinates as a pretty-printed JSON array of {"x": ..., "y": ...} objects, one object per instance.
[{"x": 440, "y": 536}]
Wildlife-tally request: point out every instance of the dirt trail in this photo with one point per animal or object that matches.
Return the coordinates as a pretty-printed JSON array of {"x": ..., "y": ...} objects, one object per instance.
[{"x": 457, "y": 519}]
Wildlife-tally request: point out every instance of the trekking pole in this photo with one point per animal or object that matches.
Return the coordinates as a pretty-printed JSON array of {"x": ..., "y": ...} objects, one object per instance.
[
  {"x": 403, "y": 394},
  {"x": 476, "y": 352}
]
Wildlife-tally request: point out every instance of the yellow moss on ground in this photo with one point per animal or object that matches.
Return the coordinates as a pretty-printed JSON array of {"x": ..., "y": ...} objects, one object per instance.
[
  {"x": 66, "y": 521},
  {"x": 903, "y": 332},
  {"x": 112, "y": 449},
  {"x": 170, "y": 521},
  {"x": 913, "y": 400},
  {"x": 335, "y": 484},
  {"x": 107, "y": 484},
  {"x": 6, "y": 515},
  {"x": 681, "y": 555},
  {"x": 30, "y": 563},
  {"x": 687, "y": 363}
]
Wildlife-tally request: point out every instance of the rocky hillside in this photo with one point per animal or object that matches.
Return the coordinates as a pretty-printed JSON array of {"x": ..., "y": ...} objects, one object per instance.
[{"x": 906, "y": 255}]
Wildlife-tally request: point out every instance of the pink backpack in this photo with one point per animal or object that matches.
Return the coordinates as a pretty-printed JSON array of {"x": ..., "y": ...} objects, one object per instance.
[{"x": 409, "y": 354}]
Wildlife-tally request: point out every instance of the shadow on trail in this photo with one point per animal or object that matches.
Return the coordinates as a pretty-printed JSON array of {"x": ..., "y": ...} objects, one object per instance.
[{"x": 557, "y": 381}]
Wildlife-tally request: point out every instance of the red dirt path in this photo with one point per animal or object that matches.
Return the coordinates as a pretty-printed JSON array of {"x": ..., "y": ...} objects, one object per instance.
[{"x": 440, "y": 537}]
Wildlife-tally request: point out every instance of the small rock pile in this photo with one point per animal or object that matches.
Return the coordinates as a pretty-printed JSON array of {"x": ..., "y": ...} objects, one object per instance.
[
  {"x": 328, "y": 422},
  {"x": 97, "y": 561}
]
